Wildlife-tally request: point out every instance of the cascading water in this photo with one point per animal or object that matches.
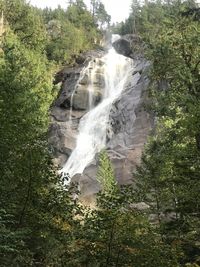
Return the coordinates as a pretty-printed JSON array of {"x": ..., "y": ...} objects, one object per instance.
[
  {"x": 72, "y": 96},
  {"x": 91, "y": 73},
  {"x": 93, "y": 126}
]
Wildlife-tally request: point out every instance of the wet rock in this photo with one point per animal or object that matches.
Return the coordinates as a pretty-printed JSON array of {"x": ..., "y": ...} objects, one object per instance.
[
  {"x": 123, "y": 47},
  {"x": 85, "y": 80},
  {"x": 129, "y": 45},
  {"x": 80, "y": 99},
  {"x": 99, "y": 81},
  {"x": 69, "y": 81}
]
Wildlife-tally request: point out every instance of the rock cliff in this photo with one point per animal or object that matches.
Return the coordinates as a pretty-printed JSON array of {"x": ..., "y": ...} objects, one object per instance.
[
  {"x": 71, "y": 104},
  {"x": 129, "y": 123}
]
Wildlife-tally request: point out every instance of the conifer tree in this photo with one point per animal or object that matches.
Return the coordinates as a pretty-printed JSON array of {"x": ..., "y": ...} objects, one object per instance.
[{"x": 105, "y": 174}]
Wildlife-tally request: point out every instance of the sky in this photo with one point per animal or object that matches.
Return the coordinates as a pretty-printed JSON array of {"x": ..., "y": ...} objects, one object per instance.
[{"x": 118, "y": 9}]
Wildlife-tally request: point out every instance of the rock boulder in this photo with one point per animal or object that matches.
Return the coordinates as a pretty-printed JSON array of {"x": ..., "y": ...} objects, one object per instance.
[{"x": 129, "y": 45}]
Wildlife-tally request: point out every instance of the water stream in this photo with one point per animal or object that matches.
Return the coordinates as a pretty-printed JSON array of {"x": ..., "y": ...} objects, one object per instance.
[{"x": 93, "y": 126}]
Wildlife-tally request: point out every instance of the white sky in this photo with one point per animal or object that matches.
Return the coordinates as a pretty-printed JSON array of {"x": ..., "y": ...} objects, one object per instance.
[{"x": 118, "y": 9}]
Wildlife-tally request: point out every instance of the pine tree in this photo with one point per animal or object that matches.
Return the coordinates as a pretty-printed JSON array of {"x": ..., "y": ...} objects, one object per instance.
[{"x": 105, "y": 174}]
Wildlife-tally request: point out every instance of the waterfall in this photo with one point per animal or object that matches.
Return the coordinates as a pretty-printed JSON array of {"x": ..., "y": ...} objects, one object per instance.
[
  {"x": 91, "y": 73},
  {"x": 94, "y": 124},
  {"x": 72, "y": 96}
]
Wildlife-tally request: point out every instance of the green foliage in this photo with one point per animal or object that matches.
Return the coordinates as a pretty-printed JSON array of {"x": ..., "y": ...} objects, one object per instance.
[
  {"x": 12, "y": 242},
  {"x": 25, "y": 23},
  {"x": 99, "y": 13},
  {"x": 25, "y": 165},
  {"x": 26, "y": 79},
  {"x": 66, "y": 41},
  {"x": 102, "y": 16},
  {"x": 105, "y": 174},
  {"x": 41, "y": 221},
  {"x": 115, "y": 234},
  {"x": 168, "y": 178},
  {"x": 70, "y": 32},
  {"x": 37, "y": 211}
]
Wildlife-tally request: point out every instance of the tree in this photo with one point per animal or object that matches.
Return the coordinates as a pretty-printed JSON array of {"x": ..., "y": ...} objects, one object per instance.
[
  {"x": 167, "y": 179},
  {"x": 135, "y": 9},
  {"x": 80, "y": 4},
  {"x": 38, "y": 215},
  {"x": 25, "y": 23},
  {"x": 37, "y": 209},
  {"x": 94, "y": 6},
  {"x": 115, "y": 233},
  {"x": 102, "y": 16},
  {"x": 170, "y": 164},
  {"x": 105, "y": 174},
  {"x": 99, "y": 13}
]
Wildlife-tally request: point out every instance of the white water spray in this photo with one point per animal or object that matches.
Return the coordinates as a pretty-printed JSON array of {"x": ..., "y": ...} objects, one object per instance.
[
  {"x": 93, "y": 126},
  {"x": 91, "y": 74}
]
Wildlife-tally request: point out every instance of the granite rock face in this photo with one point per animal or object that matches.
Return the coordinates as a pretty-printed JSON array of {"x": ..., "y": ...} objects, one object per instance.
[
  {"x": 72, "y": 103},
  {"x": 123, "y": 47},
  {"x": 129, "y": 126}
]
